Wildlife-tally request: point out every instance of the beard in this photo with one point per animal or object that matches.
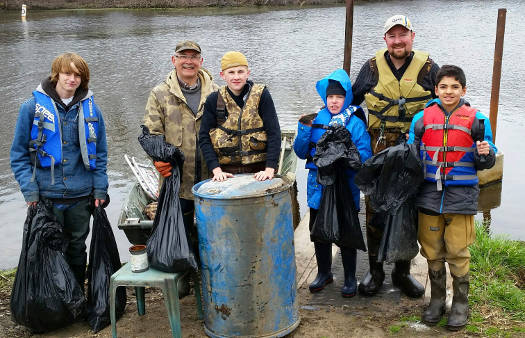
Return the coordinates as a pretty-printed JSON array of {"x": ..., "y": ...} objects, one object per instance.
[{"x": 400, "y": 55}]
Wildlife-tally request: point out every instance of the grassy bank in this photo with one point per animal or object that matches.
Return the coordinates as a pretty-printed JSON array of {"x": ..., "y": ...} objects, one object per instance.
[
  {"x": 497, "y": 289},
  {"x": 497, "y": 294},
  {"x": 6, "y": 279}
]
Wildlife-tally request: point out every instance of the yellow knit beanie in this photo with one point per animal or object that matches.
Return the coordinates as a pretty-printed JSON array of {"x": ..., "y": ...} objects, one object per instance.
[{"x": 233, "y": 59}]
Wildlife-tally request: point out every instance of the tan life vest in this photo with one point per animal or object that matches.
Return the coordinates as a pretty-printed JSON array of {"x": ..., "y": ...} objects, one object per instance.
[
  {"x": 241, "y": 138},
  {"x": 396, "y": 102}
]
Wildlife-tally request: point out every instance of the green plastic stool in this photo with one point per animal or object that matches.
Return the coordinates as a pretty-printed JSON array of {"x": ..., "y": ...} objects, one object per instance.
[{"x": 153, "y": 278}]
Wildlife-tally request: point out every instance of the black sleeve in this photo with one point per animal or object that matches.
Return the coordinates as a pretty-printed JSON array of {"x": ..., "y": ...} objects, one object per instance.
[
  {"x": 271, "y": 126},
  {"x": 429, "y": 81},
  {"x": 208, "y": 122},
  {"x": 478, "y": 134},
  {"x": 365, "y": 81}
]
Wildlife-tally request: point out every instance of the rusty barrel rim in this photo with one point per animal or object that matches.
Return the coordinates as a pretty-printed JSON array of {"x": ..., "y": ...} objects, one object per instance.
[{"x": 287, "y": 184}]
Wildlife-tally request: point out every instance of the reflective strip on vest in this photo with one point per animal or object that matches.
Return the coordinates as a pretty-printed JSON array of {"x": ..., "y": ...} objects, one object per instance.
[{"x": 441, "y": 126}]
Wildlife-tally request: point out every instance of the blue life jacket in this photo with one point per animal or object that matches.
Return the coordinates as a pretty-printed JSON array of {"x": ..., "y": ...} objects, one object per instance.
[{"x": 45, "y": 146}]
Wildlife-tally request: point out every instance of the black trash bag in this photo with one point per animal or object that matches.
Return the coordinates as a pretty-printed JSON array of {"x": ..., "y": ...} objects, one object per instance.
[
  {"x": 390, "y": 177},
  {"x": 104, "y": 261},
  {"x": 46, "y": 295},
  {"x": 169, "y": 246},
  {"x": 159, "y": 150},
  {"x": 399, "y": 241},
  {"x": 335, "y": 149},
  {"x": 18, "y": 293},
  {"x": 337, "y": 221}
]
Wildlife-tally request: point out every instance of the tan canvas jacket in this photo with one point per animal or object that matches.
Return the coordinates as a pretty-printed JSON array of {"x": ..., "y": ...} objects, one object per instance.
[{"x": 168, "y": 113}]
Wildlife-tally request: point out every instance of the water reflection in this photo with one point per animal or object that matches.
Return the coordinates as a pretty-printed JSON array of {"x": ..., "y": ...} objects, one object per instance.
[
  {"x": 489, "y": 198},
  {"x": 129, "y": 53}
]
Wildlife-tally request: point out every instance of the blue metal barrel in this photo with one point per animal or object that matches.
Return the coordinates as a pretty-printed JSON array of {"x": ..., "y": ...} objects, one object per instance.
[{"x": 247, "y": 257}]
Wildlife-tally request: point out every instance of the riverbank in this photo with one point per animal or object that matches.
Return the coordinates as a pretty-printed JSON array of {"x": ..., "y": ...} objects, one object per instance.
[
  {"x": 497, "y": 299},
  {"x": 78, "y": 4}
]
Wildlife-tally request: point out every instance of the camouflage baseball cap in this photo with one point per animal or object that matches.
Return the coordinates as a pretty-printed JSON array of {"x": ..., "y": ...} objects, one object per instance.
[{"x": 187, "y": 45}]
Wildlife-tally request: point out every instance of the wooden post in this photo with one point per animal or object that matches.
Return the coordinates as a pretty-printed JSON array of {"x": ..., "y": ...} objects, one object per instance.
[
  {"x": 349, "y": 26},
  {"x": 496, "y": 71}
]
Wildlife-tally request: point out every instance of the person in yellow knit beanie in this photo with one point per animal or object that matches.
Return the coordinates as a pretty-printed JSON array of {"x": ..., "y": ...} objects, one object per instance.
[{"x": 240, "y": 132}]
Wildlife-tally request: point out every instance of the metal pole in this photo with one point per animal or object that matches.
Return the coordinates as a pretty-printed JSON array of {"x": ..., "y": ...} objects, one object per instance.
[
  {"x": 496, "y": 71},
  {"x": 349, "y": 26}
]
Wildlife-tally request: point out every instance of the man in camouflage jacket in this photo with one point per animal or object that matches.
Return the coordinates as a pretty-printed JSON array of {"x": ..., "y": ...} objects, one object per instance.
[{"x": 174, "y": 109}]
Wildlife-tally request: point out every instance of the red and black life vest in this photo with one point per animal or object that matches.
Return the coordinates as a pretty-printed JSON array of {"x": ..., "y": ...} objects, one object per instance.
[{"x": 447, "y": 147}]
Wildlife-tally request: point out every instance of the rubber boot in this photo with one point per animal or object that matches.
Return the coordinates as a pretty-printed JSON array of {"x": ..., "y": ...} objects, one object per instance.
[
  {"x": 438, "y": 295},
  {"x": 373, "y": 279},
  {"x": 402, "y": 279},
  {"x": 348, "y": 255},
  {"x": 458, "y": 316},
  {"x": 323, "y": 255}
]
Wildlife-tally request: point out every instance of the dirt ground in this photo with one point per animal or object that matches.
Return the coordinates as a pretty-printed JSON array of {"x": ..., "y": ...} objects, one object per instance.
[
  {"x": 355, "y": 317},
  {"x": 323, "y": 314}
]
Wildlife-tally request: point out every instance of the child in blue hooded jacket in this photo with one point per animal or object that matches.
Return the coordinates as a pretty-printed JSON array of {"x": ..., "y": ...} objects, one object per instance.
[{"x": 336, "y": 92}]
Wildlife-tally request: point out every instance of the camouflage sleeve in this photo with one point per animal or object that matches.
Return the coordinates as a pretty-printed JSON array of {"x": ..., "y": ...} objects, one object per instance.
[{"x": 155, "y": 114}]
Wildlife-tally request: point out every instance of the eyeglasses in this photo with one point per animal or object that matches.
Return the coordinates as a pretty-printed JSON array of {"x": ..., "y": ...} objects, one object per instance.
[{"x": 188, "y": 57}]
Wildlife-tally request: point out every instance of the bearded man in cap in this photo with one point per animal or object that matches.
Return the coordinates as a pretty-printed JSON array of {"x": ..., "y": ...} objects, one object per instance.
[
  {"x": 240, "y": 132},
  {"x": 174, "y": 109},
  {"x": 395, "y": 84}
]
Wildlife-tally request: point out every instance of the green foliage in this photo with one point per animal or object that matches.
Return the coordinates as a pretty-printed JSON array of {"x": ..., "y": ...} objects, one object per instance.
[
  {"x": 7, "y": 277},
  {"x": 497, "y": 271},
  {"x": 476, "y": 318},
  {"x": 411, "y": 319},
  {"x": 472, "y": 328},
  {"x": 493, "y": 331},
  {"x": 393, "y": 329},
  {"x": 442, "y": 322}
]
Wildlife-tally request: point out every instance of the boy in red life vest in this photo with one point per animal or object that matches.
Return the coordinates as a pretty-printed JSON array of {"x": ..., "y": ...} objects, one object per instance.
[{"x": 455, "y": 141}]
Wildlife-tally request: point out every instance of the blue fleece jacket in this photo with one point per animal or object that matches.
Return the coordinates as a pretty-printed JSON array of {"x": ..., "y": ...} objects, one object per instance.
[{"x": 307, "y": 135}]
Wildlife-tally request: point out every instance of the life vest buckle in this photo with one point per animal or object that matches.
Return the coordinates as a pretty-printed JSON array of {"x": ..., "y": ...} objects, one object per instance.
[{"x": 401, "y": 106}]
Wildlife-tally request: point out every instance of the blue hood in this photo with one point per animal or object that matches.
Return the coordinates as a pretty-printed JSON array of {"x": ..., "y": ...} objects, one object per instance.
[{"x": 340, "y": 76}]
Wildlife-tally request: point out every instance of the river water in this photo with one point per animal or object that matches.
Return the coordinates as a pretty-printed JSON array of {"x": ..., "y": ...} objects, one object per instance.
[{"x": 129, "y": 51}]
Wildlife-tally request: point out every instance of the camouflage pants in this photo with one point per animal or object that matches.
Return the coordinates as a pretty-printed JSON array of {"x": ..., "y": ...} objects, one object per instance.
[{"x": 188, "y": 216}]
